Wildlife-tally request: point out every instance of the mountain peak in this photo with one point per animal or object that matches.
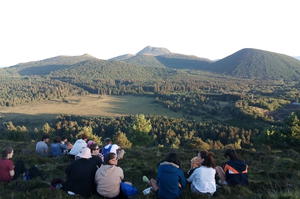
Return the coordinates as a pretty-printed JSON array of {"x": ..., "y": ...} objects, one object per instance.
[{"x": 154, "y": 51}]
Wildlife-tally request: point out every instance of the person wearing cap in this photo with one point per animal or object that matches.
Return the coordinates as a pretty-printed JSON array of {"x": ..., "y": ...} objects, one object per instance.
[
  {"x": 79, "y": 145},
  {"x": 112, "y": 148},
  {"x": 81, "y": 175}
]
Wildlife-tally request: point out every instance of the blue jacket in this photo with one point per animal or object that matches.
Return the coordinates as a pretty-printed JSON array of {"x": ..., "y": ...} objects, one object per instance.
[
  {"x": 56, "y": 149},
  {"x": 168, "y": 179}
]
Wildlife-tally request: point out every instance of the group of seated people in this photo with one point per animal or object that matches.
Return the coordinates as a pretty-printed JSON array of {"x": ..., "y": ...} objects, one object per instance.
[
  {"x": 59, "y": 147},
  {"x": 95, "y": 171}
]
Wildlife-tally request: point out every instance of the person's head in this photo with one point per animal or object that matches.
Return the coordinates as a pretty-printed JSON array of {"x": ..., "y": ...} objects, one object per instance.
[
  {"x": 173, "y": 158},
  {"x": 111, "y": 159},
  {"x": 64, "y": 139},
  {"x": 57, "y": 140},
  {"x": 94, "y": 149},
  {"x": 85, "y": 153},
  {"x": 231, "y": 154},
  {"x": 107, "y": 141},
  {"x": 45, "y": 138},
  {"x": 207, "y": 159},
  {"x": 84, "y": 137},
  {"x": 90, "y": 142},
  {"x": 7, "y": 153},
  {"x": 195, "y": 162}
]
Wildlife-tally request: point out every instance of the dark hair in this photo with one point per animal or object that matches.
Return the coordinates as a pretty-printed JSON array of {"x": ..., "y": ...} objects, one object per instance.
[
  {"x": 172, "y": 157},
  {"x": 57, "y": 139},
  {"x": 45, "y": 137},
  {"x": 209, "y": 160},
  {"x": 63, "y": 138},
  {"x": 107, "y": 140},
  {"x": 94, "y": 147},
  {"x": 231, "y": 154},
  {"x": 6, "y": 151},
  {"x": 109, "y": 157},
  {"x": 84, "y": 136}
]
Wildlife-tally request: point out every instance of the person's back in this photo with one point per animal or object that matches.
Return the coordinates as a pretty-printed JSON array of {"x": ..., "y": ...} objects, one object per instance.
[
  {"x": 170, "y": 180},
  {"x": 41, "y": 148},
  {"x": 203, "y": 180},
  {"x": 236, "y": 172},
  {"x": 56, "y": 149},
  {"x": 79, "y": 145},
  {"x": 108, "y": 179},
  {"x": 81, "y": 175}
]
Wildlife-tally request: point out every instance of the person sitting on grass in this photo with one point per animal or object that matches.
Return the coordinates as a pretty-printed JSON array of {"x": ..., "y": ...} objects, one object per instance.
[
  {"x": 235, "y": 171},
  {"x": 203, "y": 178},
  {"x": 41, "y": 147},
  {"x": 195, "y": 163},
  {"x": 97, "y": 157},
  {"x": 170, "y": 179},
  {"x": 57, "y": 148},
  {"x": 7, "y": 167},
  {"x": 108, "y": 178},
  {"x": 112, "y": 148},
  {"x": 81, "y": 175},
  {"x": 78, "y": 146}
]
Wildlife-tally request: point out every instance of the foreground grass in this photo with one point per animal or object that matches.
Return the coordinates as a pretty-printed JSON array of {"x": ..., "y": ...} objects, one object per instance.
[{"x": 272, "y": 174}]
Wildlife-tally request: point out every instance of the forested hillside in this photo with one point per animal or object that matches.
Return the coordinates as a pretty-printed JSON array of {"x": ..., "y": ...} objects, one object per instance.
[{"x": 258, "y": 64}]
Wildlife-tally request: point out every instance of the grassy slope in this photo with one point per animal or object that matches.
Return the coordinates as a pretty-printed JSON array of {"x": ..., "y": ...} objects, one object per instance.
[{"x": 272, "y": 174}]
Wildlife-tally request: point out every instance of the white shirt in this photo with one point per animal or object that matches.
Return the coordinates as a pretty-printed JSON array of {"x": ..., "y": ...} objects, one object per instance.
[
  {"x": 113, "y": 149},
  {"x": 79, "y": 144},
  {"x": 203, "y": 180}
]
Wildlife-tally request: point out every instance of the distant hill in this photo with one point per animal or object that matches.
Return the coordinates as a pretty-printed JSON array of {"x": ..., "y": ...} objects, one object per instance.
[
  {"x": 258, "y": 64},
  {"x": 121, "y": 57},
  {"x": 101, "y": 69},
  {"x": 162, "y": 57},
  {"x": 46, "y": 66},
  {"x": 153, "y": 51},
  {"x": 145, "y": 60},
  {"x": 180, "y": 61},
  {"x": 298, "y": 57}
]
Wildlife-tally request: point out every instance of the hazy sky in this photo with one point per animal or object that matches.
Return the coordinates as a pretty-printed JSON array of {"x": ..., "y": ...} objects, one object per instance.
[{"x": 39, "y": 29}]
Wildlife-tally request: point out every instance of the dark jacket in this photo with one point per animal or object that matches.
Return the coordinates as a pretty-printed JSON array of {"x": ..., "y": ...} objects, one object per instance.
[
  {"x": 236, "y": 172},
  {"x": 81, "y": 177},
  {"x": 169, "y": 178}
]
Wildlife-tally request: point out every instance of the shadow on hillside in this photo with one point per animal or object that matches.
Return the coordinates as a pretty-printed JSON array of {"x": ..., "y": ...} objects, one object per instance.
[{"x": 26, "y": 119}]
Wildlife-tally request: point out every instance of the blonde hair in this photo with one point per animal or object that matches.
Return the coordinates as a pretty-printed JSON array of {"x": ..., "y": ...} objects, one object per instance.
[{"x": 196, "y": 160}]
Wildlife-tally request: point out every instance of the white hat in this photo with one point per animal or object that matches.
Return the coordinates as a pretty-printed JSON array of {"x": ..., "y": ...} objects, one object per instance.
[{"x": 85, "y": 153}]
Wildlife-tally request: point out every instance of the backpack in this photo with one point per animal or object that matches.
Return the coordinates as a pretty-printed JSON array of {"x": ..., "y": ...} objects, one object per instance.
[{"x": 106, "y": 151}]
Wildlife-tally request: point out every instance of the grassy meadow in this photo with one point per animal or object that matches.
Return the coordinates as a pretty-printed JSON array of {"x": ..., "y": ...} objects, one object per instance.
[
  {"x": 273, "y": 174},
  {"x": 90, "y": 105}
]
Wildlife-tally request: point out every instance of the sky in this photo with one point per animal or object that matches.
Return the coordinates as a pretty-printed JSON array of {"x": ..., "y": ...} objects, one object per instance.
[{"x": 38, "y": 29}]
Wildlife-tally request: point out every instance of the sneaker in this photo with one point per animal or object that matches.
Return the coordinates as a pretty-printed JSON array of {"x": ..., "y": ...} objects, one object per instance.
[
  {"x": 147, "y": 191},
  {"x": 146, "y": 180}
]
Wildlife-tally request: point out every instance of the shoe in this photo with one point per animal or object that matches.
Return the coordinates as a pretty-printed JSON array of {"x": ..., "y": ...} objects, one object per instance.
[
  {"x": 146, "y": 180},
  {"x": 147, "y": 191}
]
